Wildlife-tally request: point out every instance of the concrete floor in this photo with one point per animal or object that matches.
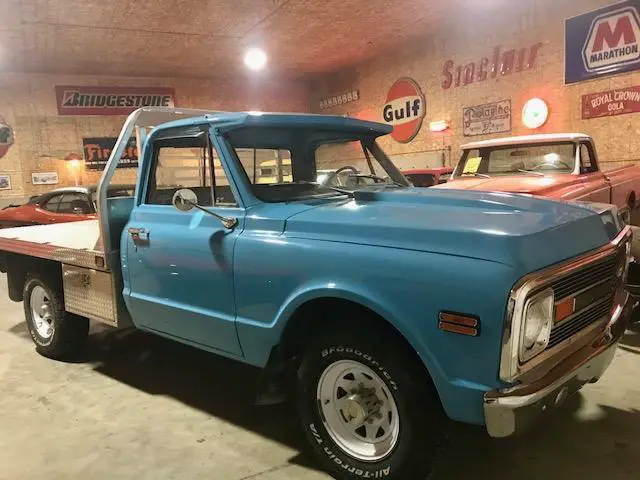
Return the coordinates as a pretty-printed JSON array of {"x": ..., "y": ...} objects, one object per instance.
[{"x": 143, "y": 407}]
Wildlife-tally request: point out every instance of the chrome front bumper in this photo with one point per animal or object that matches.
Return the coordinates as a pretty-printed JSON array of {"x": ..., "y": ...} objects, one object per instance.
[{"x": 514, "y": 409}]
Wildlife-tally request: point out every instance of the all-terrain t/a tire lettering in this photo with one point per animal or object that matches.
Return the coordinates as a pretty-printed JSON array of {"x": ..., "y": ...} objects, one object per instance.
[{"x": 384, "y": 420}]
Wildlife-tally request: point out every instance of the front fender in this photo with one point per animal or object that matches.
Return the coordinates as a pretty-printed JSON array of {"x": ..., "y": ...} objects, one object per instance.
[
  {"x": 255, "y": 336},
  {"x": 254, "y": 347},
  {"x": 406, "y": 288},
  {"x": 359, "y": 294}
]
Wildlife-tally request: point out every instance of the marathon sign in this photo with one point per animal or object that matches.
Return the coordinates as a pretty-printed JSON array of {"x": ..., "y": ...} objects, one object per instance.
[
  {"x": 603, "y": 42},
  {"x": 98, "y": 149},
  {"x": 611, "y": 102},
  {"x": 88, "y": 100}
]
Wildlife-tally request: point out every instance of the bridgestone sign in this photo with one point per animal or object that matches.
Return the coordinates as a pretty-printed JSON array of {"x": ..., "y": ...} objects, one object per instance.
[
  {"x": 87, "y": 100},
  {"x": 603, "y": 42}
]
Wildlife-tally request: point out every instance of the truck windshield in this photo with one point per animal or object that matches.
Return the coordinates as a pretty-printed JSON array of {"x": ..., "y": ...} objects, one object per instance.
[
  {"x": 283, "y": 165},
  {"x": 531, "y": 159}
]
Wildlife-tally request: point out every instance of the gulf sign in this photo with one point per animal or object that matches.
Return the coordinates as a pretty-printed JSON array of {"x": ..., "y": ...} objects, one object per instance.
[
  {"x": 405, "y": 109},
  {"x": 603, "y": 42},
  {"x": 90, "y": 100}
]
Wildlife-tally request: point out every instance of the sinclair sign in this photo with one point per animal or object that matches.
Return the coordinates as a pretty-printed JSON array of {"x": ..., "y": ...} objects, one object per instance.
[{"x": 603, "y": 42}]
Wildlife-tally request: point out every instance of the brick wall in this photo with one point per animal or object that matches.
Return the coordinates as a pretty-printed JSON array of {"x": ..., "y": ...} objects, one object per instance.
[
  {"x": 43, "y": 139},
  {"x": 468, "y": 38}
]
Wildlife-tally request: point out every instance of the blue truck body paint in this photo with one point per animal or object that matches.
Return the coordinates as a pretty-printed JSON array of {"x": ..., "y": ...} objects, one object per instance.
[{"x": 404, "y": 253}]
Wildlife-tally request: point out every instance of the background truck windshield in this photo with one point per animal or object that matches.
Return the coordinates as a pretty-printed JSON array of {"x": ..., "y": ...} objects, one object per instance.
[
  {"x": 530, "y": 159},
  {"x": 293, "y": 165}
]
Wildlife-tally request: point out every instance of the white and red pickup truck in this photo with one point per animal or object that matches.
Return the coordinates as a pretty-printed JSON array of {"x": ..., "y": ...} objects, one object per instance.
[{"x": 560, "y": 166}]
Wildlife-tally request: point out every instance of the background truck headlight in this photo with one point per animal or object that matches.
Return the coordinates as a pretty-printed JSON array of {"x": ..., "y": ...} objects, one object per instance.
[{"x": 536, "y": 324}]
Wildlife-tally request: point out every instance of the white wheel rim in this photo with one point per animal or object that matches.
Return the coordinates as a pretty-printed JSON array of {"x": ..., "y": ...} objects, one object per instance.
[
  {"x": 358, "y": 410},
  {"x": 40, "y": 305}
]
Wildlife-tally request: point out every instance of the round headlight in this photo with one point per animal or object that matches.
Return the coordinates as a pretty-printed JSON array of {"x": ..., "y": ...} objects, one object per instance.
[
  {"x": 536, "y": 324},
  {"x": 532, "y": 329}
]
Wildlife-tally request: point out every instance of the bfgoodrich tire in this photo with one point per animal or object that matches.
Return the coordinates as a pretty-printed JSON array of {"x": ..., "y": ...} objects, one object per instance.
[
  {"x": 367, "y": 409},
  {"x": 56, "y": 333}
]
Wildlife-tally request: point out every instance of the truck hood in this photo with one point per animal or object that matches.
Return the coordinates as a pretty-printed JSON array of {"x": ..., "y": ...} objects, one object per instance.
[
  {"x": 522, "y": 231},
  {"x": 531, "y": 184}
]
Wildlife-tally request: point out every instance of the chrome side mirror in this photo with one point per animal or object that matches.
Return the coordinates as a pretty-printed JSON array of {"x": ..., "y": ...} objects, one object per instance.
[{"x": 186, "y": 200}]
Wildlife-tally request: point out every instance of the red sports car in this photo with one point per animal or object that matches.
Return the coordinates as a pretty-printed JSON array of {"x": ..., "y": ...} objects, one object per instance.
[
  {"x": 58, "y": 206},
  {"x": 428, "y": 177}
]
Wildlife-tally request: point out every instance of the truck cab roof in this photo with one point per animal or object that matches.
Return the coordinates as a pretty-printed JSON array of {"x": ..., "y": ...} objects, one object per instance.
[
  {"x": 233, "y": 120},
  {"x": 527, "y": 139}
]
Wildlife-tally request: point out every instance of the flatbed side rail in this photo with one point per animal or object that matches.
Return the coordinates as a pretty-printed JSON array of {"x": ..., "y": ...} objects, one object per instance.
[{"x": 81, "y": 258}]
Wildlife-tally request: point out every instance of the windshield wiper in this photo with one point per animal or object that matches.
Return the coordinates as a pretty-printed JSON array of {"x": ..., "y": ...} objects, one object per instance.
[
  {"x": 384, "y": 181},
  {"x": 531, "y": 171},
  {"x": 476, "y": 174},
  {"x": 335, "y": 189}
]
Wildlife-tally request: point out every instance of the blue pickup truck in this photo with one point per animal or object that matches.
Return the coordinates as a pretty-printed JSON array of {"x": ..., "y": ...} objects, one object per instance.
[{"x": 379, "y": 308}]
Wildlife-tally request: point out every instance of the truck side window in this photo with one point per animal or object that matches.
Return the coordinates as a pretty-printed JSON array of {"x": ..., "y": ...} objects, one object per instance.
[
  {"x": 587, "y": 163},
  {"x": 266, "y": 166},
  {"x": 177, "y": 167},
  {"x": 223, "y": 195}
]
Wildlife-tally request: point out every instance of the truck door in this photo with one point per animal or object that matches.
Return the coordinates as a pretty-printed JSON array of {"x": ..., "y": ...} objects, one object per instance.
[
  {"x": 179, "y": 266},
  {"x": 595, "y": 183}
]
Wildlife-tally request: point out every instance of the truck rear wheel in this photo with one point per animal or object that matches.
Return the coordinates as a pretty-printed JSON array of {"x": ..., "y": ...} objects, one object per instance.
[
  {"x": 55, "y": 332},
  {"x": 366, "y": 409}
]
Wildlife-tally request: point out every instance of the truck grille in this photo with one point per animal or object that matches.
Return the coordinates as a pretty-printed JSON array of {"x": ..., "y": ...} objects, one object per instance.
[
  {"x": 593, "y": 289},
  {"x": 576, "y": 281},
  {"x": 566, "y": 329}
]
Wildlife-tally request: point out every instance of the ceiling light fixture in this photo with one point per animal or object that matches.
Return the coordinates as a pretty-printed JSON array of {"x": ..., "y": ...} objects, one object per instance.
[{"x": 255, "y": 59}]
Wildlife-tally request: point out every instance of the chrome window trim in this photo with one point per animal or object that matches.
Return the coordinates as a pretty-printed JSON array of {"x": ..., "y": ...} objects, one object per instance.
[{"x": 510, "y": 367}]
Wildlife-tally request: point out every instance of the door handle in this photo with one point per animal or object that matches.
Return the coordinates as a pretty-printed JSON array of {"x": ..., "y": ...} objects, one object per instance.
[{"x": 139, "y": 235}]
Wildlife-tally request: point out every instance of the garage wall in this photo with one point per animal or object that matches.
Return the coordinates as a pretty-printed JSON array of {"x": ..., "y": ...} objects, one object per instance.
[
  {"x": 43, "y": 138},
  {"x": 468, "y": 38}
]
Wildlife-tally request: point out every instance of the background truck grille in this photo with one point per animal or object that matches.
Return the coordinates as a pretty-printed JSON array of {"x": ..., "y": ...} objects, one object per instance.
[{"x": 593, "y": 288}]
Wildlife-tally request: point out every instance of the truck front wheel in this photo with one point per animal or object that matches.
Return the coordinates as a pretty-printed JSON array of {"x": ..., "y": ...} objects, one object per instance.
[
  {"x": 366, "y": 408},
  {"x": 55, "y": 332}
]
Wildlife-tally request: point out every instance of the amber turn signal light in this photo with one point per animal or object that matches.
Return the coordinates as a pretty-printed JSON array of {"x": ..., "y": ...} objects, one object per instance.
[
  {"x": 459, "y": 323},
  {"x": 565, "y": 308}
]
